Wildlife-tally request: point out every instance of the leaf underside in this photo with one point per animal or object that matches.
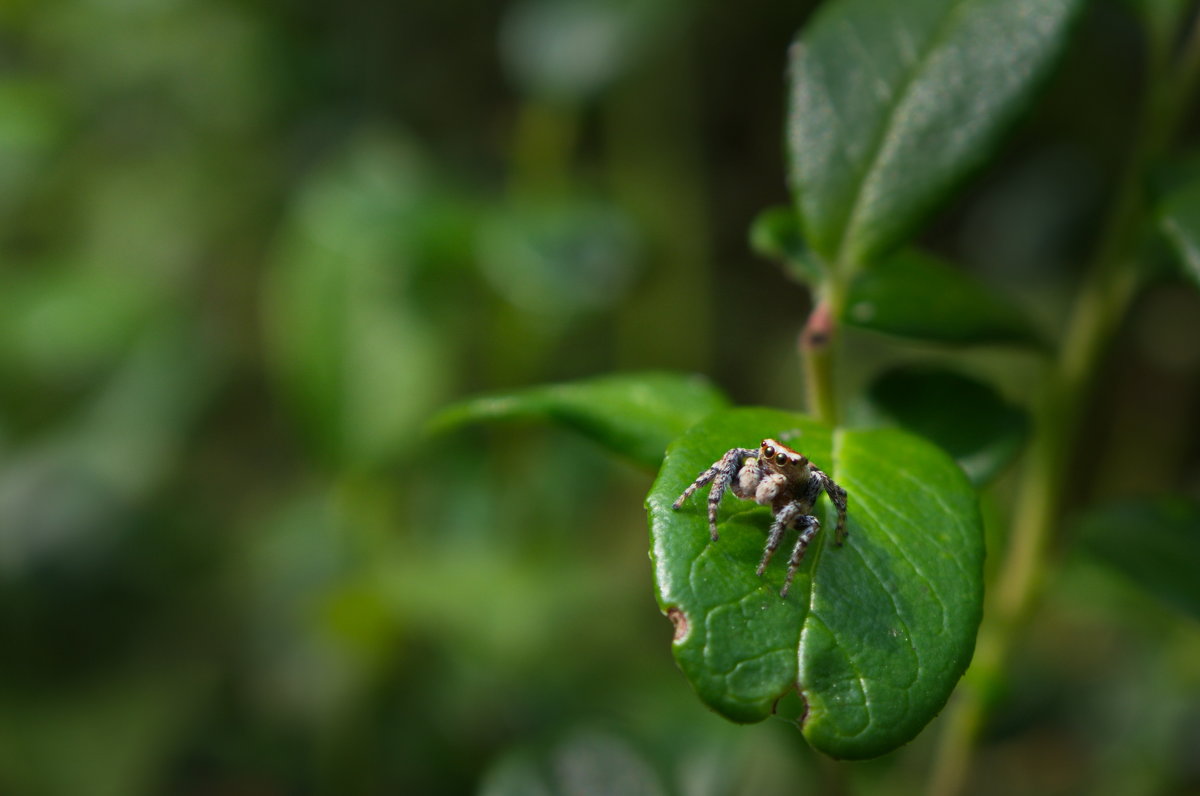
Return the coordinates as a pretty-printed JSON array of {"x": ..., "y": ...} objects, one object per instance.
[
  {"x": 632, "y": 414},
  {"x": 873, "y": 634},
  {"x": 1154, "y": 543},
  {"x": 966, "y": 418},
  {"x": 917, "y": 296}
]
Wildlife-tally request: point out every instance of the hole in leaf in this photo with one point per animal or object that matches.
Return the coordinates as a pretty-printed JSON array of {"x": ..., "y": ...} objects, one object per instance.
[
  {"x": 680, "y": 620},
  {"x": 792, "y": 707}
]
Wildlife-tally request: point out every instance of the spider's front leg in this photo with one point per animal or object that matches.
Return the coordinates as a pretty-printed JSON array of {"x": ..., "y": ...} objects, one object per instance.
[
  {"x": 721, "y": 474},
  {"x": 837, "y": 496},
  {"x": 793, "y": 515}
]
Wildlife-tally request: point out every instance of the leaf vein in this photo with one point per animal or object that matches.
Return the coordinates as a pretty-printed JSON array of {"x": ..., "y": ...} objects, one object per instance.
[
  {"x": 947, "y": 510},
  {"x": 901, "y": 549},
  {"x": 878, "y": 144}
]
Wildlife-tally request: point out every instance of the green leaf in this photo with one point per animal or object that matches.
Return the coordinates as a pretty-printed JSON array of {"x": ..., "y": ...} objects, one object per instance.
[
  {"x": 775, "y": 234},
  {"x": 1161, "y": 19},
  {"x": 33, "y": 123},
  {"x": 1153, "y": 543},
  {"x": 70, "y": 322},
  {"x": 892, "y": 104},
  {"x": 568, "y": 52},
  {"x": 873, "y": 635},
  {"x": 1179, "y": 220},
  {"x": 120, "y": 728},
  {"x": 967, "y": 419},
  {"x": 83, "y": 477},
  {"x": 359, "y": 361},
  {"x": 636, "y": 415},
  {"x": 561, "y": 258},
  {"x": 914, "y": 295},
  {"x": 585, "y": 761}
]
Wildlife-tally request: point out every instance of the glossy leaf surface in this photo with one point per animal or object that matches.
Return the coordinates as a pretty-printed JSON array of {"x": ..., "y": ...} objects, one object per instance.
[
  {"x": 966, "y": 418},
  {"x": 893, "y": 103},
  {"x": 1153, "y": 543},
  {"x": 636, "y": 415},
  {"x": 874, "y": 634}
]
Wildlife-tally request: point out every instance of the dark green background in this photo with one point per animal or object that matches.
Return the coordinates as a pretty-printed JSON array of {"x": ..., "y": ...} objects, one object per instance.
[{"x": 248, "y": 249}]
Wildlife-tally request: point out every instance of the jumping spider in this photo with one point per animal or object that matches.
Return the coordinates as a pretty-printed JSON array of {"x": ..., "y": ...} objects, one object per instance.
[{"x": 773, "y": 475}]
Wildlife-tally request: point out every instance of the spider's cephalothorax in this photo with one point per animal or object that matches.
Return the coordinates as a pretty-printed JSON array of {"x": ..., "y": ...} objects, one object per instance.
[{"x": 776, "y": 476}]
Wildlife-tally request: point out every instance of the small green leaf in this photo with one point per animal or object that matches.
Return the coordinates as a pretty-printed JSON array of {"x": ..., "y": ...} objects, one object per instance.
[
  {"x": 1179, "y": 220},
  {"x": 914, "y": 295},
  {"x": 121, "y": 724},
  {"x": 69, "y": 322},
  {"x": 568, "y": 52},
  {"x": 357, "y": 359},
  {"x": 1153, "y": 543},
  {"x": 892, "y": 104},
  {"x": 560, "y": 258},
  {"x": 636, "y": 415},
  {"x": 775, "y": 234},
  {"x": 873, "y": 635},
  {"x": 969, "y": 420},
  {"x": 1161, "y": 19},
  {"x": 585, "y": 761}
]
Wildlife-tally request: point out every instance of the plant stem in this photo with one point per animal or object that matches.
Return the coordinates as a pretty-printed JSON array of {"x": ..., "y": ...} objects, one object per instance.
[
  {"x": 1038, "y": 510},
  {"x": 543, "y": 144},
  {"x": 1039, "y": 506},
  {"x": 1102, "y": 302},
  {"x": 816, "y": 350}
]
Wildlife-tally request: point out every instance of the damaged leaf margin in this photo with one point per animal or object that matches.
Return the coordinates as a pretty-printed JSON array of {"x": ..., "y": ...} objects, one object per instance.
[{"x": 874, "y": 635}]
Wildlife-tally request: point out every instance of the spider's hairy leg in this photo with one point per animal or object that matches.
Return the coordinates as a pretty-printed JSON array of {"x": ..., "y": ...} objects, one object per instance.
[
  {"x": 721, "y": 474},
  {"x": 727, "y": 469},
  {"x": 808, "y": 525},
  {"x": 704, "y": 478},
  {"x": 787, "y": 517},
  {"x": 782, "y": 521},
  {"x": 837, "y": 496}
]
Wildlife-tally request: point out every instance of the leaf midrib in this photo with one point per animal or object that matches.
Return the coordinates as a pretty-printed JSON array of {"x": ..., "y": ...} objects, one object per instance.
[
  {"x": 881, "y": 137},
  {"x": 835, "y": 450}
]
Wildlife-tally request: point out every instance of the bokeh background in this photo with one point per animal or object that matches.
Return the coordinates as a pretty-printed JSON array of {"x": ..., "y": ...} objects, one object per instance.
[{"x": 249, "y": 247}]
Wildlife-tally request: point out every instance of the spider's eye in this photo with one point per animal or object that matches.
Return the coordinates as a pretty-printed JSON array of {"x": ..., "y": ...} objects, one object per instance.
[
  {"x": 769, "y": 452},
  {"x": 781, "y": 459}
]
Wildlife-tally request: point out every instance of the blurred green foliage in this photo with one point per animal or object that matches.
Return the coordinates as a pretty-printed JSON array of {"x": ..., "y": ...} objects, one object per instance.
[{"x": 249, "y": 248}]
